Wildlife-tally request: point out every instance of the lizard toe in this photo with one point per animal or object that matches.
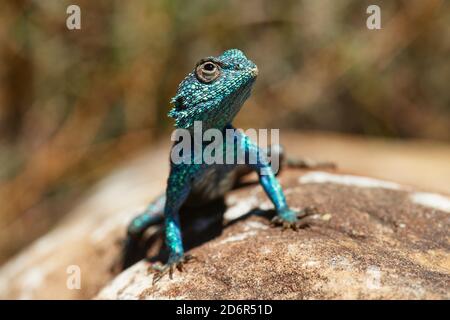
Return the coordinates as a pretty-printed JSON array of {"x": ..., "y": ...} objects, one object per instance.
[{"x": 159, "y": 271}]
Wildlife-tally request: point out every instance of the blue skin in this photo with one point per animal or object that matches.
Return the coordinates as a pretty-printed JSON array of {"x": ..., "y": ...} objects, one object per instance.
[{"x": 214, "y": 95}]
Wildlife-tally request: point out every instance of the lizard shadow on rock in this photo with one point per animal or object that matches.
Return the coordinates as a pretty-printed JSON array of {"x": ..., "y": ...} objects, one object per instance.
[{"x": 201, "y": 224}]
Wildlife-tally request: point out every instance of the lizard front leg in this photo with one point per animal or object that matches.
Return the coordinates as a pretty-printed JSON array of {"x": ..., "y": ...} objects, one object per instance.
[
  {"x": 178, "y": 189},
  {"x": 285, "y": 217}
]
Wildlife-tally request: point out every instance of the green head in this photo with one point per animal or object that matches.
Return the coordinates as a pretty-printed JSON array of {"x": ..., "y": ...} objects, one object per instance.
[{"x": 214, "y": 91}]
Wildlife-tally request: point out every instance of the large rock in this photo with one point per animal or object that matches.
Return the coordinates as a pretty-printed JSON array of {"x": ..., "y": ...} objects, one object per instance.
[
  {"x": 88, "y": 237},
  {"x": 371, "y": 240}
]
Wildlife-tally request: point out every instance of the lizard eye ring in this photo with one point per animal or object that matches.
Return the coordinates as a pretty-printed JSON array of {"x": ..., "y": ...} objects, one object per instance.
[{"x": 207, "y": 71}]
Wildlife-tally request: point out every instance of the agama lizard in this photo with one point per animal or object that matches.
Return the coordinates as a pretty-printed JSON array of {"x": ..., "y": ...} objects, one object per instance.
[{"x": 212, "y": 93}]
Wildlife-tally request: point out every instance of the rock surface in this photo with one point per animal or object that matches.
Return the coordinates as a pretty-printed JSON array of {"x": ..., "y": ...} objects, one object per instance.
[
  {"x": 88, "y": 238},
  {"x": 371, "y": 239}
]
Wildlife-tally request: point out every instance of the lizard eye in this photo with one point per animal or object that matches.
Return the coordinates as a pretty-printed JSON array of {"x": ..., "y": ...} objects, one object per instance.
[{"x": 207, "y": 71}]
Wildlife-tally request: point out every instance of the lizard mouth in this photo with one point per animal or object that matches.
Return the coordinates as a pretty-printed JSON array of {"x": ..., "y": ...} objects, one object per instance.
[{"x": 254, "y": 71}]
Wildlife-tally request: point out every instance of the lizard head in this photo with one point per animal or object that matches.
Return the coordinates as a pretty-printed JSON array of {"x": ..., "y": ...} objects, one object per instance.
[{"x": 214, "y": 91}]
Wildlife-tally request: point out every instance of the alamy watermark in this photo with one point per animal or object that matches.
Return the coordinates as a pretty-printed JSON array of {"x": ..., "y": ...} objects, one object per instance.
[
  {"x": 73, "y": 21},
  {"x": 73, "y": 281},
  {"x": 229, "y": 146},
  {"x": 373, "y": 22}
]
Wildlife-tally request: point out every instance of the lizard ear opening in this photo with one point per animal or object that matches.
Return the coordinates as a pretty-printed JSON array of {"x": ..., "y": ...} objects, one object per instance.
[
  {"x": 207, "y": 71},
  {"x": 179, "y": 104}
]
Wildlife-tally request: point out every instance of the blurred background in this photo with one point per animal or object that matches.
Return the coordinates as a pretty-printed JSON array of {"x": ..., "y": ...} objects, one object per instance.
[{"x": 76, "y": 104}]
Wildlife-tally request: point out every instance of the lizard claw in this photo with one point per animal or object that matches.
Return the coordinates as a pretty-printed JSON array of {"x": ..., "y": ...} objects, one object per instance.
[
  {"x": 290, "y": 219},
  {"x": 168, "y": 268},
  {"x": 308, "y": 211}
]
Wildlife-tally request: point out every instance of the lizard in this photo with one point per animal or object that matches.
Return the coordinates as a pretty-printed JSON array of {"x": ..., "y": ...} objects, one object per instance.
[{"x": 212, "y": 93}]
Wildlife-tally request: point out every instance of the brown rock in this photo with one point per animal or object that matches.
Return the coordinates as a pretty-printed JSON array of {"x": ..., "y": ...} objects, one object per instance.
[
  {"x": 371, "y": 239},
  {"x": 88, "y": 238}
]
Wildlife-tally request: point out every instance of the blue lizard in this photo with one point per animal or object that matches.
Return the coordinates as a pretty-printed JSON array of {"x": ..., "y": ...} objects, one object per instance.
[{"x": 212, "y": 93}]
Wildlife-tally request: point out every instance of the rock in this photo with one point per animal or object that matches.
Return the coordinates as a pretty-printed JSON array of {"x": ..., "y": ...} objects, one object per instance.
[
  {"x": 88, "y": 238},
  {"x": 371, "y": 239}
]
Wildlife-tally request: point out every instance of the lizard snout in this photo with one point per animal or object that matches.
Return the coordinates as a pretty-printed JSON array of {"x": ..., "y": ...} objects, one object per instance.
[{"x": 254, "y": 71}]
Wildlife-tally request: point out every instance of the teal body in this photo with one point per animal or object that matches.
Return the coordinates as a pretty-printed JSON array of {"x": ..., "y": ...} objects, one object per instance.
[{"x": 213, "y": 93}]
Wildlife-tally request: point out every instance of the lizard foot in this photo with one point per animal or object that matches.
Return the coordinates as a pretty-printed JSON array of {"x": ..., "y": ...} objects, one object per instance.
[
  {"x": 168, "y": 268},
  {"x": 289, "y": 219}
]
